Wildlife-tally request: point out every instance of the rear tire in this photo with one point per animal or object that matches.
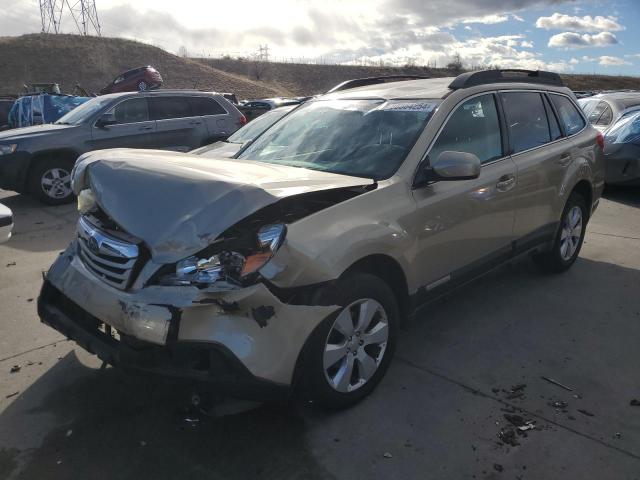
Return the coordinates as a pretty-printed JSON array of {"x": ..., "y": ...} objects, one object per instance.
[
  {"x": 50, "y": 181},
  {"x": 347, "y": 355},
  {"x": 568, "y": 240}
]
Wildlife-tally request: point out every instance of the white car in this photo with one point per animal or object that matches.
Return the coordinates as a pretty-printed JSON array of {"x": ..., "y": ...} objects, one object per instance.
[{"x": 6, "y": 223}]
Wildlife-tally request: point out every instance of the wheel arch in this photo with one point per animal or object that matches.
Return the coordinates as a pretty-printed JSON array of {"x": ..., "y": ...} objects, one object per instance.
[
  {"x": 585, "y": 190},
  {"x": 43, "y": 156}
]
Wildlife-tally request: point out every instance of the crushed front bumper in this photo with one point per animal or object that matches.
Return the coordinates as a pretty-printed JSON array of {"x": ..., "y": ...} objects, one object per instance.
[{"x": 244, "y": 340}]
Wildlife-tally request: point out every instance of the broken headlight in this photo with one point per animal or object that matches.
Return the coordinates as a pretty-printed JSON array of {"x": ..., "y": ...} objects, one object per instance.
[
  {"x": 86, "y": 201},
  {"x": 234, "y": 265}
]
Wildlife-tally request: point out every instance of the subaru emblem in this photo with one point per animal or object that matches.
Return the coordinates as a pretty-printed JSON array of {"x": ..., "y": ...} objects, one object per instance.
[{"x": 92, "y": 244}]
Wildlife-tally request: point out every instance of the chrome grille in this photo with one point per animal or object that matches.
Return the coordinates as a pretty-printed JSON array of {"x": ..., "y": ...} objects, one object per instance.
[{"x": 109, "y": 258}]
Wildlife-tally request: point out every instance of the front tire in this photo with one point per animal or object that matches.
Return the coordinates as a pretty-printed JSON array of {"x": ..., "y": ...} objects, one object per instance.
[
  {"x": 50, "y": 182},
  {"x": 349, "y": 353},
  {"x": 568, "y": 240}
]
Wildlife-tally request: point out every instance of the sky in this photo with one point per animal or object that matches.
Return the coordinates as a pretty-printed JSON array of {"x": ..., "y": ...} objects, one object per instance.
[{"x": 573, "y": 36}]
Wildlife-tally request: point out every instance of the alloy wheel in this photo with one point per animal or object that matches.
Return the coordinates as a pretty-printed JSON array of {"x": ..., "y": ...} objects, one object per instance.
[
  {"x": 356, "y": 345},
  {"x": 571, "y": 233},
  {"x": 56, "y": 183}
]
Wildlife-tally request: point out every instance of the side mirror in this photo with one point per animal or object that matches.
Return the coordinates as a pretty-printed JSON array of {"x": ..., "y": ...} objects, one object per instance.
[
  {"x": 106, "y": 120},
  {"x": 6, "y": 223},
  {"x": 456, "y": 166}
]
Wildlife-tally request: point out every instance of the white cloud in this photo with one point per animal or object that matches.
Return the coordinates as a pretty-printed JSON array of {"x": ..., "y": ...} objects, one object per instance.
[
  {"x": 586, "y": 58},
  {"x": 526, "y": 44},
  {"x": 608, "y": 61},
  {"x": 488, "y": 19},
  {"x": 517, "y": 18},
  {"x": 571, "y": 40},
  {"x": 559, "y": 21},
  {"x": 574, "y": 61}
]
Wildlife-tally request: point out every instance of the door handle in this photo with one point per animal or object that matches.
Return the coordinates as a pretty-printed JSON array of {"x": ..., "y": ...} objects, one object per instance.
[
  {"x": 146, "y": 128},
  {"x": 565, "y": 159},
  {"x": 506, "y": 183}
]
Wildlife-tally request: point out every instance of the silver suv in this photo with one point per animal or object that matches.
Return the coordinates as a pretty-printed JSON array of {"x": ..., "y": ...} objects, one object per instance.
[
  {"x": 38, "y": 159},
  {"x": 295, "y": 263}
]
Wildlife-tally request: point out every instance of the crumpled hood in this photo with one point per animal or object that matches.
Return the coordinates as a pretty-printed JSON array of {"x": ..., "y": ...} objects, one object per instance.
[{"x": 179, "y": 204}]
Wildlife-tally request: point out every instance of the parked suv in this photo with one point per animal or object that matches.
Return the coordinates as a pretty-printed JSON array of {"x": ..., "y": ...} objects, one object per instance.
[
  {"x": 138, "y": 79},
  {"x": 39, "y": 159},
  {"x": 294, "y": 264}
]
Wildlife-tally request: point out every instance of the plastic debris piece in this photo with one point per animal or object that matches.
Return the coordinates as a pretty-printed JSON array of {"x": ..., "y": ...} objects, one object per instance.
[
  {"x": 497, "y": 467},
  {"x": 560, "y": 404},
  {"x": 634, "y": 402},
  {"x": 11, "y": 264},
  {"x": 143, "y": 443},
  {"x": 387, "y": 455},
  {"x": 586, "y": 412},
  {"x": 15, "y": 369},
  {"x": 555, "y": 382},
  {"x": 69, "y": 433},
  {"x": 618, "y": 435},
  {"x": 12, "y": 394}
]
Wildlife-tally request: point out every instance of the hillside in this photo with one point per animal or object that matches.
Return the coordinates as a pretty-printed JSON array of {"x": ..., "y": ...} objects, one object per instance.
[
  {"x": 95, "y": 61},
  {"x": 304, "y": 79}
]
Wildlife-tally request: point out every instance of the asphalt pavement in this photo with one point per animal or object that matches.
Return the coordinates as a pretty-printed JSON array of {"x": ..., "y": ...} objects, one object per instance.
[{"x": 519, "y": 375}]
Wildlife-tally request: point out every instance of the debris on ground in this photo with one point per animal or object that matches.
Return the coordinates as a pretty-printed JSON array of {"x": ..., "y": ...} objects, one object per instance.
[
  {"x": 11, "y": 264},
  {"x": 387, "y": 455},
  {"x": 508, "y": 437},
  {"x": 15, "y": 369},
  {"x": 634, "y": 402},
  {"x": 12, "y": 394},
  {"x": 497, "y": 467},
  {"x": 520, "y": 423},
  {"x": 555, "y": 382},
  {"x": 143, "y": 443},
  {"x": 559, "y": 405},
  {"x": 69, "y": 433},
  {"x": 586, "y": 412},
  {"x": 618, "y": 435},
  {"x": 516, "y": 391},
  {"x": 29, "y": 299}
]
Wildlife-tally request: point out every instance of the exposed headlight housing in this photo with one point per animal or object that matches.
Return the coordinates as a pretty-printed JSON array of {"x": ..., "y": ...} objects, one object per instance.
[
  {"x": 86, "y": 201},
  {"x": 228, "y": 264},
  {"x": 8, "y": 149}
]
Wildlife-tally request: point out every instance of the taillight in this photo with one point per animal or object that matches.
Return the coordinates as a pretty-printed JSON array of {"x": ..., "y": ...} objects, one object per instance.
[
  {"x": 242, "y": 121},
  {"x": 600, "y": 141}
]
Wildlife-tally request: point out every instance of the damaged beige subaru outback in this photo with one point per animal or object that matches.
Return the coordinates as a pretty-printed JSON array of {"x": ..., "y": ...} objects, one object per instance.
[{"x": 293, "y": 264}]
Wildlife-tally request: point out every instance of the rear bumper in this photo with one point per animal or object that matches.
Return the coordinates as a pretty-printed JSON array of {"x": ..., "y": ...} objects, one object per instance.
[{"x": 13, "y": 171}]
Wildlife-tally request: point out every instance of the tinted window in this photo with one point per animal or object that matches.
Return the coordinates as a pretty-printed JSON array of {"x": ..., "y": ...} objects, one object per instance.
[
  {"x": 569, "y": 115},
  {"x": 473, "y": 128},
  {"x": 206, "y": 106},
  {"x": 606, "y": 117},
  {"x": 131, "y": 111},
  {"x": 526, "y": 119},
  {"x": 554, "y": 126},
  {"x": 170, "y": 107}
]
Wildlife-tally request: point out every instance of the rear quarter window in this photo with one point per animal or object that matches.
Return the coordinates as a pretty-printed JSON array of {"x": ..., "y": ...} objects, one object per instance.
[
  {"x": 570, "y": 117},
  {"x": 526, "y": 120},
  {"x": 204, "y": 106}
]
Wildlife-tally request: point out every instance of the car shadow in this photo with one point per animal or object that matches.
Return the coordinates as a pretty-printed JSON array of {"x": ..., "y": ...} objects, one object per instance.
[{"x": 626, "y": 195}]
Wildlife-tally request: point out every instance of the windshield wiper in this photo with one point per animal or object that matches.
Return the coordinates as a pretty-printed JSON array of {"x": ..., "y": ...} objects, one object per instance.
[{"x": 61, "y": 123}]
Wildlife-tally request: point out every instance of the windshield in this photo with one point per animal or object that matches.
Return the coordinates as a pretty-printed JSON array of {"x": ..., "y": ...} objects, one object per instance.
[
  {"x": 84, "y": 112},
  {"x": 363, "y": 138},
  {"x": 259, "y": 125},
  {"x": 626, "y": 130}
]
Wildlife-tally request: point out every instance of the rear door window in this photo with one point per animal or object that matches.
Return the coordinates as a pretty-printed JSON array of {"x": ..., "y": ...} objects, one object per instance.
[
  {"x": 526, "y": 120},
  {"x": 203, "y": 106},
  {"x": 570, "y": 117},
  {"x": 132, "y": 111},
  {"x": 163, "y": 108},
  {"x": 473, "y": 128}
]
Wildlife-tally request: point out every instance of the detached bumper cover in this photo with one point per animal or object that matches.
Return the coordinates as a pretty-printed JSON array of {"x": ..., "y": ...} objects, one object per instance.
[{"x": 258, "y": 337}]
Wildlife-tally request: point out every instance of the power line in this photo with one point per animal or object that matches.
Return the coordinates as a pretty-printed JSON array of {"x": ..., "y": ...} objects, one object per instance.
[{"x": 83, "y": 13}]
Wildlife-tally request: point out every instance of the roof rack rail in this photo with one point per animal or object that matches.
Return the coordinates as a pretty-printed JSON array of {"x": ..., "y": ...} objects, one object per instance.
[
  {"x": 482, "y": 77},
  {"x": 363, "y": 82}
]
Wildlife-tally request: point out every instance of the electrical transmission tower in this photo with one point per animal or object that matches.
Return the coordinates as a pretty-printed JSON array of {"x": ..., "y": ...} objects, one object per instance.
[
  {"x": 83, "y": 13},
  {"x": 264, "y": 52}
]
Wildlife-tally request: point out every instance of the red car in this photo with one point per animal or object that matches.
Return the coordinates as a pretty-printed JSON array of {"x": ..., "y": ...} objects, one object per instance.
[{"x": 142, "y": 78}]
